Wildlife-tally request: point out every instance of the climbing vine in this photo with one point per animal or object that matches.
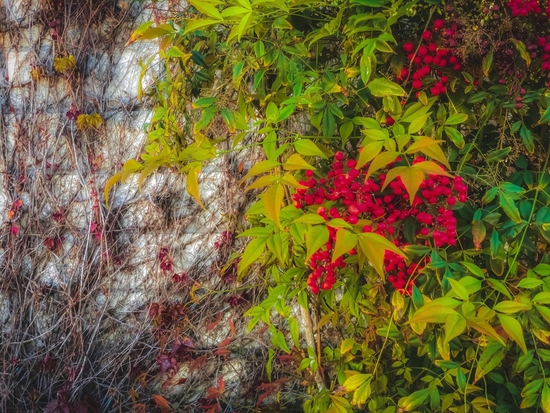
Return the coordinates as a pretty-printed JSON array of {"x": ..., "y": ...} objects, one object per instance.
[{"x": 402, "y": 219}]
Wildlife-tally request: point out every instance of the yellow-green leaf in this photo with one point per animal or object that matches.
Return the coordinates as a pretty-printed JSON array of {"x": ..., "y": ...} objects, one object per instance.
[
  {"x": 514, "y": 330},
  {"x": 259, "y": 168},
  {"x": 345, "y": 241},
  {"x": 455, "y": 325},
  {"x": 368, "y": 153},
  {"x": 355, "y": 381},
  {"x": 316, "y": 237},
  {"x": 252, "y": 252},
  {"x": 207, "y": 8},
  {"x": 262, "y": 181},
  {"x": 381, "y": 161},
  {"x": 381, "y": 87},
  {"x": 307, "y": 147},
  {"x": 510, "y": 307}
]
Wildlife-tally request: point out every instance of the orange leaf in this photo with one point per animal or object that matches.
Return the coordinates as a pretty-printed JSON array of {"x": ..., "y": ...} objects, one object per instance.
[{"x": 162, "y": 403}]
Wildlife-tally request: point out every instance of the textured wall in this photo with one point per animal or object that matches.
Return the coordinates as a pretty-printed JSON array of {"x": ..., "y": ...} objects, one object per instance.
[{"x": 78, "y": 278}]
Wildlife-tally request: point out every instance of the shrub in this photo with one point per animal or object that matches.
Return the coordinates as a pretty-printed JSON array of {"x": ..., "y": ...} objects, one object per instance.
[{"x": 403, "y": 201}]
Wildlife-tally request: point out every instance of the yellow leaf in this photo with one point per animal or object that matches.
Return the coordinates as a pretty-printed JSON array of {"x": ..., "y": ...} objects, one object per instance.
[
  {"x": 430, "y": 167},
  {"x": 289, "y": 180},
  {"x": 412, "y": 177},
  {"x": 374, "y": 246},
  {"x": 421, "y": 143},
  {"x": 192, "y": 185},
  {"x": 109, "y": 184},
  {"x": 485, "y": 328},
  {"x": 64, "y": 64},
  {"x": 435, "y": 152},
  {"x": 273, "y": 198},
  {"x": 296, "y": 162}
]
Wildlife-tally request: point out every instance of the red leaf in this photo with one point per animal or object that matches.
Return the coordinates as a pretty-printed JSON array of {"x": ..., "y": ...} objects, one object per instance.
[{"x": 197, "y": 364}]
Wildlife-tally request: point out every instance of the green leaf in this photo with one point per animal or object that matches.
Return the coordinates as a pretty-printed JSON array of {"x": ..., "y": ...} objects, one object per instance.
[
  {"x": 252, "y": 252},
  {"x": 498, "y": 155},
  {"x": 204, "y": 102},
  {"x": 294, "y": 331},
  {"x": 487, "y": 62},
  {"x": 316, "y": 237},
  {"x": 381, "y": 87},
  {"x": 455, "y": 136},
  {"x": 415, "y": 400},
  {"x": 345, "y": 241},
  {"x": 529, "y": 283},
  {"x": 542, "y": 269},
  {"x": 513, "y": 329},
  {"x": 545, "y": 118},
  {"x": 490, "y": 358},
  {"x": 532, "y": 387},
  {"x": 509, "y": 207},
  {"x": 527, "y": 138},
  {"x": 474, "y": 269},
  {"x": 285, "y": 112},
  {"x": 307, "y": 147}
]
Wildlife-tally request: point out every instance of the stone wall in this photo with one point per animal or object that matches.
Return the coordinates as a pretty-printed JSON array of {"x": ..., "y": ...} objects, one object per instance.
[{"x": 77, "y": 278}]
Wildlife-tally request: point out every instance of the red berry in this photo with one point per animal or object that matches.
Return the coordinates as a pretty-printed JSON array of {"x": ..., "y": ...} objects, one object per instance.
[
  {"x": 408, "y": 47},
  {"x": 427, "y": 35},
  {"x": 438, "y": 24}
]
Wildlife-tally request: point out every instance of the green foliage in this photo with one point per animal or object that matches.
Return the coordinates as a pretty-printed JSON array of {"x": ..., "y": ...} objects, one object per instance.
[{"x": 472, "y": 333}]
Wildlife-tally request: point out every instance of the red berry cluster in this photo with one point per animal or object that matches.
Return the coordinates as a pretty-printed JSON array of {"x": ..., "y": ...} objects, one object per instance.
[
  {"x": 165, "y": 262},
  {"x": 226, "y": 238},
  {"x": 526, "y": 7},
  {"x": 345, "y": 194},
  {"x": 540, "y": 48},
  {"x": 427, "y": 59}
]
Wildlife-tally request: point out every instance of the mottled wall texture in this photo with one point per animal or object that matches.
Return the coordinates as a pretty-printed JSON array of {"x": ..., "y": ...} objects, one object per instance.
[{"x": 79, "y": 281}]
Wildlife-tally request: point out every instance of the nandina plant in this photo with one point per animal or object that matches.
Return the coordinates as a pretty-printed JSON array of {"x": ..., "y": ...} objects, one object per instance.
[{"x": 402, "y": 220}]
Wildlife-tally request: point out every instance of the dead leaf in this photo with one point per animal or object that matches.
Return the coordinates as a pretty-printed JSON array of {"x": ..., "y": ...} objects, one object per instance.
[{"x": 162, "y": 403}]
